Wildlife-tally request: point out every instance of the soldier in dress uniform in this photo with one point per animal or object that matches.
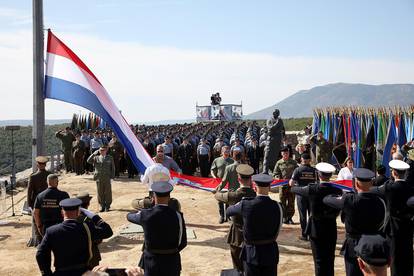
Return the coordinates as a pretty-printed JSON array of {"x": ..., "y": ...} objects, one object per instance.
[
  {"x": 283, "y": 170},
  {"x": 321, "y": 227},
  {"x": 96, "y": 255},
  {"x": 116, "y": 150},
  {"x": 203, "y": 157},
  {"x": 363, "y": 212},
  {"x": 253, "y": 154},
  {"x": 400, "y": 226},
  {"x": 235, "y": 235},
  {"x": 185, "y": 157},
  {"x": 37, "y": 183},
  {"x": 78, "y": 155},
  {"x": 373, "y": 253},
  {"x": 104, "y": 172},
  {"x": 303, "y": 176},
  {"x": 71, "y": 241},
  {"x": 262, "y": 219},
  {"x": 67, "y": 139},
  {"x": 46, "y": 207},
  {"x": 218, "y": 167},
  {"x": 164, "y": 234}
]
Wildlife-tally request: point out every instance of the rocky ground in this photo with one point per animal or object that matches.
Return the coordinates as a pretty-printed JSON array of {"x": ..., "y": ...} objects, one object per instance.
[{"x": 205, "y": 255}]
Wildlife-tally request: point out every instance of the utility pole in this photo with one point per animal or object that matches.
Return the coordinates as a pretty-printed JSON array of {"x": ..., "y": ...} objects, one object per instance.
[{"x": 38, "y": 82}]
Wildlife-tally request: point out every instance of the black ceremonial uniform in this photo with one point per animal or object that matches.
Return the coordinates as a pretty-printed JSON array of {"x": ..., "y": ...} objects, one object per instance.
[
  {"x": 362, "y": 213},
  {"x": 400, "y": 225},
  {"x": 165, "y": 236},
  {"x": 235, "y": 235},
  {"x": 70, "y": 244},
  {"x": 321, "y": 227},
  {"x": 185, "y": 158},
  {"x": 262, "y": 219},
  {"x": 48, "y": 203},
  {"x": 303, "y": 175}
]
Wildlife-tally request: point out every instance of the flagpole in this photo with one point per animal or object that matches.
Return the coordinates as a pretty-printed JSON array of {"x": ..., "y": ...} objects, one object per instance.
[{"x": 38, "y": 79}]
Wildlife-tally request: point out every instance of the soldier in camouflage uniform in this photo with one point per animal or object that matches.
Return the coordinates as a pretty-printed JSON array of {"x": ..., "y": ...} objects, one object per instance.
[
  {"x": 235, "y": 236},
  {"x": 104, "y": 172},
  {"x": 67, "y": 139},
  {"x": 323, "y": 148},
  {"x": 283, "y": 170},
  {"x": 37, "y": 184}
]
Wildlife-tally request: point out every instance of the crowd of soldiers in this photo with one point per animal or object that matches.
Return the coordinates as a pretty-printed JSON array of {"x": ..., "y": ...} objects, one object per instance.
[{"x": 377, "y": 214}]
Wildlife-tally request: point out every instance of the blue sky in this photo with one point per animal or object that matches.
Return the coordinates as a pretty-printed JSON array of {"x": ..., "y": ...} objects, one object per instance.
[{"x": 323, "y": 34}]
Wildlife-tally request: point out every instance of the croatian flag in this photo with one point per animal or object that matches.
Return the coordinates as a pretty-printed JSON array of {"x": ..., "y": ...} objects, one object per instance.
[{"x": 69, "y": 80}]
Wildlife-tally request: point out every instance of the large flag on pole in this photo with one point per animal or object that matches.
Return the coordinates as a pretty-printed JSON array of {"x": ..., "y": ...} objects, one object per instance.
[{"x": 68, "y": 79}]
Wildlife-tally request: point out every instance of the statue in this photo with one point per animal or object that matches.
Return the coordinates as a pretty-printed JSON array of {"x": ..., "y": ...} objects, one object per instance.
[{"x": 275, "y": 133}]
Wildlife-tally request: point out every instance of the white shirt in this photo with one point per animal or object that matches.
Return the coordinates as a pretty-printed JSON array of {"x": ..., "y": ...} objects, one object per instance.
[
  {"x": 153, "y": 173},
  {"x": 345, "y": 174}
]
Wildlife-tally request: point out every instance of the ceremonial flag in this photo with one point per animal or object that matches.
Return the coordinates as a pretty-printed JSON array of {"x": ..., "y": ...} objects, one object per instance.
[
  {"x": 68, "y": 79},
  {"x": 391, "y": 139}
]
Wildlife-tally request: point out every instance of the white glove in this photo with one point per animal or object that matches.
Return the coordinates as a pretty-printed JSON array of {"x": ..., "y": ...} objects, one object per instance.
[{"x": 87, "y": 213}]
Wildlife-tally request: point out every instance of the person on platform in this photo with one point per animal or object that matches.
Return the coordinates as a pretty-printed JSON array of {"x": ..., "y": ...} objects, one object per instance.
[
  {"x": 164, "y": 234},
  {"x": 275, "y": 134},
  {"x": 165, "y": 160},
  {"x": 363, "y": 212},
  {"x": 262, "y": 220},
  {"x": 37, "y": 183},
  {"x": 346, "y": 173},
  {"x": 235, "y": 235},
  {"x": 46, "y": 206},
  {"x": 302, "y": 177},
  {"x": 283, "y": 170},
  {"x": 321, "y": 228},
  {"x": 71, "y": 241},
  {"x": 400, "y": 225},
  {"x": 373, "y": 252},
  {"x": 104, "y": 173},
  {"x": 218, "y": 168},
  {"x": 67, "y": 138}
]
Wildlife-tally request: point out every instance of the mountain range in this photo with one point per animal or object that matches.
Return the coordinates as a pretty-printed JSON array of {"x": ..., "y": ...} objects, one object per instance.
[{"x": 303, "y": 102}]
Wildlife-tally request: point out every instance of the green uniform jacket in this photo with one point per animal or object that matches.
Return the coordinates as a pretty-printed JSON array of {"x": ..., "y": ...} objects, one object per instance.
[
  {"x": 230, "y": 176},
  {"x": 37, "y": 184},
  {"x": 235, "y": 235},
  {"x": 219, "y": 165},
  {"x": 67, "y": 140},
  {"x": 284, "y": 169},
  {"x": 104, "y": 166}
]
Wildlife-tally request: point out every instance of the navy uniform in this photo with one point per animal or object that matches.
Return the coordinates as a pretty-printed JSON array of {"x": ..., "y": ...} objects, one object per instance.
[
  {"x": 70, "y": 242},
  {"x": 37, "y": 183},
  {"x": 363, "y": 213},
  {"x": 374, "y": 250},
  {"x": 164, "y": 233},
  {"x": 303, "y": 176},
  {"x": 262, "y": 219},
  {"x": 48, "y": 204},
  {"x": 321, "y": 227},
  {"x": 235, "y": 235},
  {"x": 400, "y": 226}
]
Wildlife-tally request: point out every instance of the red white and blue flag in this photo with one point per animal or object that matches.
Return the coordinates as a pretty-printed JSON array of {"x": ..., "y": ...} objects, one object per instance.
[{"x": 68, "y": 79}]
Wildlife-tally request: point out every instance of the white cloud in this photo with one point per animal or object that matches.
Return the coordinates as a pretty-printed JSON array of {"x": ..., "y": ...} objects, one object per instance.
[{"x": 156, "y": 83}]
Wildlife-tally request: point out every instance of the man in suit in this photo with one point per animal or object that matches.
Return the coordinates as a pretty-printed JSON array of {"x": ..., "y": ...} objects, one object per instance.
[
  {"x": 164, "y": 234},
  {"x": 262, "y": 219}
]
